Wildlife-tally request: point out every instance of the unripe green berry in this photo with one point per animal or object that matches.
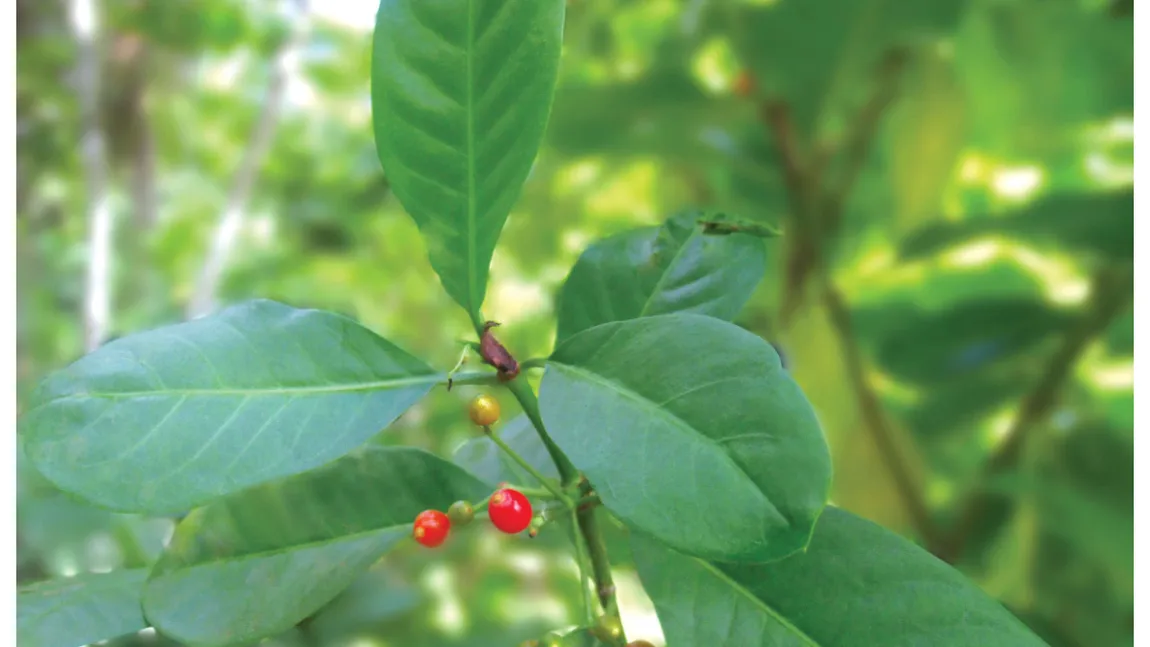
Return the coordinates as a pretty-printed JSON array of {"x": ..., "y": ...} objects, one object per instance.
[{"x": 461, "y": 513}]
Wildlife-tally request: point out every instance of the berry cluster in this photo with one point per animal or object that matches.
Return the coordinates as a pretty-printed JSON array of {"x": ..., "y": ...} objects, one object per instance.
[{"x": 508, "y": 509}]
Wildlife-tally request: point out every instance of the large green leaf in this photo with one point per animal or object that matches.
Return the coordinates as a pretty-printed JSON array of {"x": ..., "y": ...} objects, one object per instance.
[
  {"x": 79, "y": 610},
  {"x": 168, "y": 419},
  {"x": 1099, "y": 223},
  {"x": 660, "y": 270},
  {"x": 485, "y": 460},
  {"x": 691, "y": 432},
  {"x": 857, "y": 585},
  {"x": 258, "y": 562},
  {"x": 461, "y": 91}
]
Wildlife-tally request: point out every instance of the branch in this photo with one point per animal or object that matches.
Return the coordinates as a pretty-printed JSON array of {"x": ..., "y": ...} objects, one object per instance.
[
  {"x": 1111, "y": 293},
  {"x": 801, "y": 186},
  {"x": 97, "y": 297},
  {"x": 230, "y": 223},
  {"x": 875, "y": 419}
]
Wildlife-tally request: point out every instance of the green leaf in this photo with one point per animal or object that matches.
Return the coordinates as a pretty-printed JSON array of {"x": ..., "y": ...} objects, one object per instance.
[
  {"x": 485, "y": 460},
  {"x": 662, "y": 413},
  {"x": 1097, "y": 223},
  {"x": 80, "y": 610},
  {"x": 460, "y": 93},
  {"x": 660, "y": 270},
  {"x": 857, "y": 585},
  {"x": 933, "y": 347},
  {"x": 258, "y": 562},
  {"x": 168, "y": 419}
]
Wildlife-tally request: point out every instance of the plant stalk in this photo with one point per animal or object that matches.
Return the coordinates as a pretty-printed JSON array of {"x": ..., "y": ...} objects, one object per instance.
[
  {"x": 585, "y": 520},
  {"x": 559, "y": 494},
  {"x": 530, "y": 404}
]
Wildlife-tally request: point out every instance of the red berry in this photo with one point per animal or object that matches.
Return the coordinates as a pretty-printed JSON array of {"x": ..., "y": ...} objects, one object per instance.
[
  {"x": 431, "y": 527},
  {"x": 509, "y": 510}
]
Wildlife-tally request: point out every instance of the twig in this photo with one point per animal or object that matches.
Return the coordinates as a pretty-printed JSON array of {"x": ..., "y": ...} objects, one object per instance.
[
  {"x": 97, "y": 299},
  {"x": 530, "y": 469},
  {"x": 230, "y": 223},
  {"x": 1111, "y": 293},
  {"x": 874, "y": 417},
  {"x": 801, "y": 187}
]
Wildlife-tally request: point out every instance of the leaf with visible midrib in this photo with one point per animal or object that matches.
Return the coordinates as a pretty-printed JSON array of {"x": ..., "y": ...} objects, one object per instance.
[
  {"x": 256, "y": 563},
  {"x": 460, "y": 94},
  {"x": 168, "y": 419},
  {"x": 691, "y": 432},
  {"x": 80, "y": 610},
  {"x": 857, "y": 585},
  {"x": 660, "y": 270}
]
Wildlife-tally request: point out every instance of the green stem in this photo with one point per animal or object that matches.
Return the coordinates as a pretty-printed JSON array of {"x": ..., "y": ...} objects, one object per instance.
[
  {"x": 600, "y": 563},
  {"x": 582, "y": 559},
  {"x": 534, "y": 362},
  {"x": 530, "y": 404},
  {"x": 585, "y": 520},
  {"x": 530, "y": 469}
]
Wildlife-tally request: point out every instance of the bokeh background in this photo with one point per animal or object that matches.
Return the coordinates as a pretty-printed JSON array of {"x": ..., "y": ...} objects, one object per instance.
[{"x": 970, "y": 357}]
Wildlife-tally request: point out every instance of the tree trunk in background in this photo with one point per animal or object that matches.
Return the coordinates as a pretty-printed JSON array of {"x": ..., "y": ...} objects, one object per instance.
[
  {"x": 97, "y": 299},
  {"x": 231, "y": 221}
]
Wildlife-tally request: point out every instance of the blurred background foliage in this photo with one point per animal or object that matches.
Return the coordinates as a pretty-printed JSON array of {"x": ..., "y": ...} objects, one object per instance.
[{"x": 962, "y": 328}]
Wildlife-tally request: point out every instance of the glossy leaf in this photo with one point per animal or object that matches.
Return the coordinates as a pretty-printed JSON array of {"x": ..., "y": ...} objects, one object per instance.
[
  {"x": 485, "y": 460},
  {"x": 171, "y": 418},
  {"x": 857, "y": 585},
  {"x": 256, "y": 563},
  {"x": 691, "y": 432},
  {"x": 1098, "y": 223},
  {"x": 660, "y": 270},
  {"x": 933, "y": 347},
  {"x": 79, "y": 610},
  {"x": 461, "y": 91}
]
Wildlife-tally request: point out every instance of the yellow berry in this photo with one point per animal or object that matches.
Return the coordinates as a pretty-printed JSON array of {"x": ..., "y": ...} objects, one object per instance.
[{"x": 484, "y": 410}]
